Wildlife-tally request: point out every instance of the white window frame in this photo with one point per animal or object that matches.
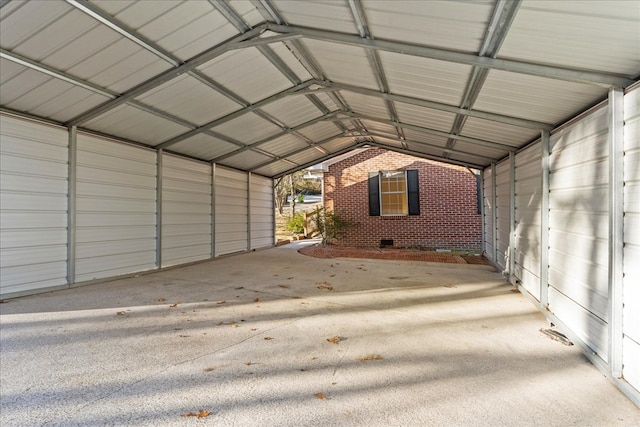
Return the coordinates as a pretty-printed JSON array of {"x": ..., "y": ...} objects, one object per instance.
[{"x": 406, "y": 191}]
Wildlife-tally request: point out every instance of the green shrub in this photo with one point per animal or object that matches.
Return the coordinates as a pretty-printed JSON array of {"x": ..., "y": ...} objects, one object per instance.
[
  {"x": 330, "y": 225},
  {"x": 296, "y": 223}
]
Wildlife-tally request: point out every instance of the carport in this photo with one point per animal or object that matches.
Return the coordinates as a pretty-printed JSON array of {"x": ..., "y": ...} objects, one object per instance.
[{"x": 137, "y": 136}]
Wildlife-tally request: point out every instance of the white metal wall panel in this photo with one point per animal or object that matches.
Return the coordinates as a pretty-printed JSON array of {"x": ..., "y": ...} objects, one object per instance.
[
  {"x": 528, "y": 214},
  {"x": 579, "y": 228},
  {"x": 503, "y": 191},
  {"x": 186, "y": 210},
  {"x": 116, "y": 209},
  {"x": 631, "y": 268},
  {"x": 33, "y": 205},
  {"x": 262, "y": 211},
  {"x": 489, "y": 212},
  {"x": 231, "y": 214}
]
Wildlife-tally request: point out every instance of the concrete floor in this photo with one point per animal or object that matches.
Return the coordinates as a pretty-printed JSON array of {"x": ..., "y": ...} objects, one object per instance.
[{"x": 247, "y": 342}]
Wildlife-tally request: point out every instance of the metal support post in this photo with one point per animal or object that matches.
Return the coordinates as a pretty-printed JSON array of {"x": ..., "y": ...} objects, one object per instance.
[
  {"x": 512, "y": 217},
  {"x": 159, "y": 208},
  {"x": 213, "y": 210},
  {"x": 544, "y": 221},
  {"x": 249, "y": 211},
  {"x": 71, "y": 205},
  {"x": 494, "y": 218}
]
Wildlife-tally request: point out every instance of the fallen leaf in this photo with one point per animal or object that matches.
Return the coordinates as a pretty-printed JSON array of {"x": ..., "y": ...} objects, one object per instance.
[
  {"x": 234, "y": 325},
  {"x": 332, "y": 275},
  {"x": 174, "y": 305},
  {"x": 334, "y": 340},
  {"x": 249, "y": 363},
  {"x": 330, "y": 288},
  {"x": 256, "y": 300},
  {"x": 184, "y": 336},
  {"x": 221, "y": 302},
  {"x": 289, "y": 278},
  {"x": 321, "y": 396},
  {"x": 254, "y": 329},
  {"x": 268, "y": 338},
  {"x": 284, "y": 286},
  {"x": 370, "y": 357},
  {"x": 121, "y": 313},
  {"x": 240, "y": 287},
  {"x": 209, "y": 369},
  {"x": 161, "y": 299},
  {"x": 453, "y": 286},
  {"x": 200, "y": 414}
]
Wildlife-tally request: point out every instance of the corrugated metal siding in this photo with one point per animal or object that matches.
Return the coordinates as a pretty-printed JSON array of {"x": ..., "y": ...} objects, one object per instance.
[
  {"x": 116, "y": 209},
  {"x": 503, "y": 190},
  {"x": 579, "y": 228},
  {"x": 631, "y": 281},
  {"x": 33, "y": 205},
  {"x": 262, "y": 211},
  {"x": 186, "y": 210},
  {"x": 528, "y": 214},
  {"x": 231, "y": 214},
  {"x": 489, "y": 212}
]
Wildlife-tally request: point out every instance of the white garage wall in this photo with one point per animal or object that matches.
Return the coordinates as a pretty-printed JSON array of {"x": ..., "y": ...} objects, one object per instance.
[
  {"x": 33, "y": 206},
  {"x": 503, "y": 203},
  {"x": 489, "y": 213},
  {"x": 186, "y": 210},
  {"x": 116, "y": 209},
  {"x": 631, "y": 255},
  {"x": 262, "y": 211},
  {"x": 231, "y": 215},
  {"x": 579, "y": 228},
  {"x": 528, "y": 202}
]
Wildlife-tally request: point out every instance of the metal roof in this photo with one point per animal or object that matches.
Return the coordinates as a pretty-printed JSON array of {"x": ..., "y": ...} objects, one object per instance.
[{"x": 271, "y": 86}]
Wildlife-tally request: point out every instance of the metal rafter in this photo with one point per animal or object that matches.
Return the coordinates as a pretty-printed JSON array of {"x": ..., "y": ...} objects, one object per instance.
[
  {"x": 234, "y": 114},
  {"x": 425, "y": 156},
  {"x": 522, "y": 67},
  {"x": 359, "y": 15},
  {"x": 503, "y": 15},
  {"x": 500, "y": 118},
  {"x": 428, "y": 131},
  {"x": 321, "y": 159}
]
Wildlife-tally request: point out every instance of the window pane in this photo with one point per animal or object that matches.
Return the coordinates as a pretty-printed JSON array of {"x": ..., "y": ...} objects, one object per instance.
[{"x": 393, "y": 193}]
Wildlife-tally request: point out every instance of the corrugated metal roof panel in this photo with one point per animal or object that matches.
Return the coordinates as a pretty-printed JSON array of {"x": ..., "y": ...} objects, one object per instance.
[
  {"x": 337, "y": 144},
  {"x": 137, "y": 125},
  {"x": 274, "y": 168},
  {"x": 248, "y": 128},
  {"x": 326, "y": 100},
  {"x": 425, "y": 78},
  {"x": 190, "y": 99},
  {"x": 379, "y": 127},
  {"x": 434, "y": 23},
  {"x": 388, "y": 142},
  {"x": 498, "y": 132},
  {"x": 291, "y": 61},
  {"x": 330, "y": 15},
  {"x": 368, "y": 105},
  {"x": 560, "y": 33},
  {"x": 341, "y": 63},
  {"x": 424, "y": 138},
  {"x": 320, "y": 131},
  {"x": 245, "y": 160},
  {"x": 425, "y": 117},
  {"x": 247, "y": 11},
  {"x": 27, "y": 19},
  {"x": 283, "y": 145},
  {"x": 419, "y": 148},
  {"x": 204, "y": 147},
  {"x": 535, "y": 98},
  {"x": 21, "y": 83},
  {"x": 306, "y": 156},
  {"x": 481, "y": 150},
  {"x": 292, "y": 110},
  {"x": 248, "y": 73}
]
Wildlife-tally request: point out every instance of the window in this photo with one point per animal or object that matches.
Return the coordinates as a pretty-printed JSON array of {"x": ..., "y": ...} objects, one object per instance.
[{"x": 394, "y": 193}]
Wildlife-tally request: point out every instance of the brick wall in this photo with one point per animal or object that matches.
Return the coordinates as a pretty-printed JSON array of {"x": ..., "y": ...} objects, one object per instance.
[{"x": 448, "y": 206}]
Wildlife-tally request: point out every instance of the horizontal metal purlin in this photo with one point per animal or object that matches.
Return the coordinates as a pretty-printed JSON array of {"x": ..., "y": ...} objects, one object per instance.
[
  {"x": 515, "y": 121},
  {"x": 435, "y": 147},
  {"x": 297, "y": 151},
  {"x": 278, "y": 135},
  {"x": 34, "y": 65},
  {"x": 431, "y": 131},
  {"x": 166, "y": 76},
  {"x": 547, "y": 71},
  {"x": 235, "y": 114}
]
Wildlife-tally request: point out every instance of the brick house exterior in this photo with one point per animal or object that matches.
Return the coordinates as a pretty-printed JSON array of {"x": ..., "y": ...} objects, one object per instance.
[{"x": 448, "y": 211}]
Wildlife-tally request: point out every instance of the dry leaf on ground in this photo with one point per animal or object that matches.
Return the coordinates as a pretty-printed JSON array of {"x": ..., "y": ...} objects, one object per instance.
[
  {"x": 121, "y": 313},
  {"x": 161, "y": 299},
  {"x": 370, "y": 357},
  {"x": 321, "y": 396},
  {"x": 284, "y": 286},
  {"x": 334, "y": 340},
  {"x": 200, "y": 414},
  {"x": 268, "y": 338},
  {"x": 256, "y": 300},
  {"x": 221, "y": 302},
  {"x": 175, "y": 304}
]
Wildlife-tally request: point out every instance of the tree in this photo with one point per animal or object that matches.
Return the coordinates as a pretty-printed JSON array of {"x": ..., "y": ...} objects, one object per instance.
[{"x": 288, "y": 186}]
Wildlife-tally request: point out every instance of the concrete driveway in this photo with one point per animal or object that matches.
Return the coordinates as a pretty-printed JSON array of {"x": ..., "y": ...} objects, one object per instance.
[{"x": 275, "y": 338}]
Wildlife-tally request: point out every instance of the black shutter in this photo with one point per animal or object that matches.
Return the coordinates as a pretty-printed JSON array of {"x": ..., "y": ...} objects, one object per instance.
[
  {"x": 413, "y": 193},
  {"x": 479, "y": 194},
  {"x": 374, "y": 194}
]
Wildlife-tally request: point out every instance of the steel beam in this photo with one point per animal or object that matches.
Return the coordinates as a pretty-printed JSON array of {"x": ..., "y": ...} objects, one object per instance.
[
  {"x": 423, "y": 155},
  {"x": 159, "y": 175},
  {"x": 320, "y": 159},
  {"x": 544, "y": 222},
  {"x": 494, "y": 219},
  {"x": 512, "y": 217},
  {"x": 616, "y": 228},
  {"x": 483, "y": 243},
  {"x": 213, "y": 210},
  {"x": 547, "y": 71},
  {"x": 514, "y": 121},
  {"x": 71, "y": 204},
  {"x": 248, "y": 211}
]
